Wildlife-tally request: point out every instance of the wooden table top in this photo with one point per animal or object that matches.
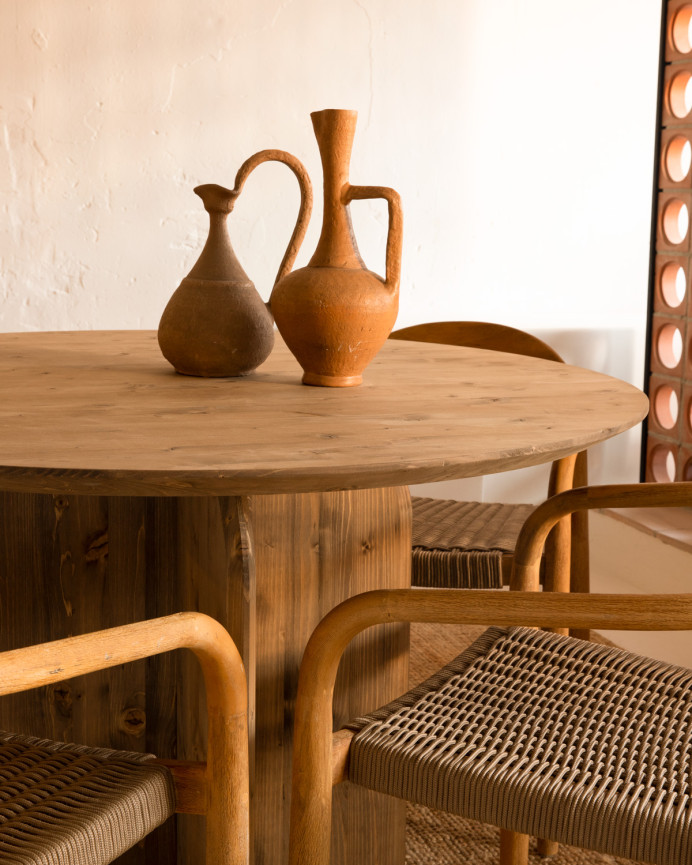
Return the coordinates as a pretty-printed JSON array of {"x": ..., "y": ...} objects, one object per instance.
[{"x": 103, "y": 413}]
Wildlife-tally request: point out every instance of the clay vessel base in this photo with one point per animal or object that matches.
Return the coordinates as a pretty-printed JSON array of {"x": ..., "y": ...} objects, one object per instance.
[
  {"x": 212, "y": 374},
  {"x": 318, "y": 380}
]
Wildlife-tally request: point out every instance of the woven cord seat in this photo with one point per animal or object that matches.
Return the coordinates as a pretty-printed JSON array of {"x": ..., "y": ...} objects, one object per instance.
[
  {"x": 572, "y": 741},
  {"x": 461, "y": 544},
  {"x": 63, "y": 803}
]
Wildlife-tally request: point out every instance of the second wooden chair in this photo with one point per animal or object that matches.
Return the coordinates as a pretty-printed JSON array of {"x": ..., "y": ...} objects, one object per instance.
[{"x": 471, "y": 544}]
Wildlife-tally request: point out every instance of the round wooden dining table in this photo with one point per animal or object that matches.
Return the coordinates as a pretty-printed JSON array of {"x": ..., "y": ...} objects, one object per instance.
[{"x": 130, "y": 491}]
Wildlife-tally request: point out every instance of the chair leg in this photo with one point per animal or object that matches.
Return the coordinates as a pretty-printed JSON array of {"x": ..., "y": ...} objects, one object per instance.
[
  {"x": 547, "y": 848},
  {"x": 580, "y": 574},
  {"x": 514, "y": 848},
  {"x": 560, "y": 558}
]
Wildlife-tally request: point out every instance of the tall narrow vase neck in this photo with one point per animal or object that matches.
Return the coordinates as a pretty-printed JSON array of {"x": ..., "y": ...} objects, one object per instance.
[
  {"x": 334, "y": 130},
  {"x": 218, "y": 261}
]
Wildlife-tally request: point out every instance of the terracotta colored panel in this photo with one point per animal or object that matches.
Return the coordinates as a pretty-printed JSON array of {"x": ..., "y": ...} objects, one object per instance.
[
  {"x": 685, "y": 460},
  {"x": 686, "y": 371},
  {"x": 671, "y": 294},
  {"x": 668, "y": 337},
  {"x": 686, "y": 414},
  {"x": 666, "y": 414},
  {"x": 660, "y": 466},
  {"x": 669, "y": 435},
  {"x": 676, "y": 109},
  {"x": 671, "y": 234},
  {"x": 678, "y": 45},
  {"x": 675, "y": 167}
]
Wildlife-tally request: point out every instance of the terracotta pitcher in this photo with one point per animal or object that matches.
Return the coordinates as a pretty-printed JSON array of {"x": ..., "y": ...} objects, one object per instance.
[
  {"x": 216, "y": 324},
  {"x": 335, "y": 314}
]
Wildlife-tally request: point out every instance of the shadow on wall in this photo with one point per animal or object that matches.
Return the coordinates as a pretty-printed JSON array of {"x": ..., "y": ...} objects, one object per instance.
[{"x": 616, "y": 352}]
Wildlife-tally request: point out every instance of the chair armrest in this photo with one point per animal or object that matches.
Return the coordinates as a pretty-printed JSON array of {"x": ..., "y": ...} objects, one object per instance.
[
  {"x": 46, "y": 663},
  {"x": 529, "y": 546},
  {"x": 226, "y": 689},
  {"x": 314, "y": 770}
]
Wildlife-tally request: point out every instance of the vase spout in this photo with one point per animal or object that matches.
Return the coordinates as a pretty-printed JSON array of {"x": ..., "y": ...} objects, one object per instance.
[
  {"x": 216, "y": 199},
  {"x": 335, "y": 129}
]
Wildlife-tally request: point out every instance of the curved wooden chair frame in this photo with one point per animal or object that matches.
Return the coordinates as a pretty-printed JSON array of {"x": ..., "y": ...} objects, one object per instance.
[
  {"x": 567, "y": 553},
  {"x": 321, "y": 757},
  {"x": 217, "y": 788}
]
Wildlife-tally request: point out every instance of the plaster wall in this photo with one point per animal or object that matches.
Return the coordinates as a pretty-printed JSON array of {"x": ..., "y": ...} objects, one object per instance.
[
  {"x": 625, "y": 559},
  {"x": 519, "y": 133}
]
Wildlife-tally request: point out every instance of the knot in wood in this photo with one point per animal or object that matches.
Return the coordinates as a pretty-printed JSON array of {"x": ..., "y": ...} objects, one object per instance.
[
  {"x": 62, "y": 696},
  {"x": 132, "y": 721},
  {"x": 97, "y": 547}
]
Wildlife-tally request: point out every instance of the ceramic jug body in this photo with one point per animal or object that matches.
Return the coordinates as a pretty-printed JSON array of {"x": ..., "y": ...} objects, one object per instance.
[
  {"x": 216, "y": 323},
  {"x": 216, "y": 328},
  {"x": 334, "y": 314},
  {"x": 334, "y": 321}
]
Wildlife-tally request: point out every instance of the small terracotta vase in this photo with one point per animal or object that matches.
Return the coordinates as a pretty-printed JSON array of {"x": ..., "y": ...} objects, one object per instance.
[
  {"x": 335, "y": 314},
  {"x": 216, "y": 324}
]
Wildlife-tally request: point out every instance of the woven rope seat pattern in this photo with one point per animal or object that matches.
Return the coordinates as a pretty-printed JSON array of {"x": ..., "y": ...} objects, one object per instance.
[
  {"x": 460, "y": 544},
  {"x": 546, "y": 735},
  {"x": 62, "y": 803}
]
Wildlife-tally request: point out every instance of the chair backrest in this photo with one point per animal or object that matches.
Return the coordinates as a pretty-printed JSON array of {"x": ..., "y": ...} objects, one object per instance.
[
  {"x": 564, "y": 474},
  {"x": 490, "y": 336},
  {"x": 479, "y": 334}
]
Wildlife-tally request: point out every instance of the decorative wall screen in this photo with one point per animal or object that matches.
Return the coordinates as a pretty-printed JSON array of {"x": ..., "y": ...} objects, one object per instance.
[{"x": 668, "y": 454}]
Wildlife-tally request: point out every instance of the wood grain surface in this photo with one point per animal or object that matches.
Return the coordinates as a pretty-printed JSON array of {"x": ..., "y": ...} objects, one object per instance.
[
  {"x": 103, "y": 413},
  {"x": 131, "y": 491},
  {"x": 218, "y": 788},
  {"x": 269, "y": 568}
]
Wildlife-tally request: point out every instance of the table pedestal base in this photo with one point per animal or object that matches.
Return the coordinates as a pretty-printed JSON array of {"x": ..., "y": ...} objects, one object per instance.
[{"x": 268, "y": 567}]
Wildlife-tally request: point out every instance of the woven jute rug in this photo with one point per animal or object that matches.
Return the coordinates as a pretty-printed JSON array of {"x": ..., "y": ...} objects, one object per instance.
[{"x": 437, "y": 838}]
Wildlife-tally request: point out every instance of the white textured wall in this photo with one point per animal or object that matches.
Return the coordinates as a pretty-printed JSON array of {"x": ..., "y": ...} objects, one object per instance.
[
  {"x": 626, "y": 559},
  {"x": 519, "y": 134}
]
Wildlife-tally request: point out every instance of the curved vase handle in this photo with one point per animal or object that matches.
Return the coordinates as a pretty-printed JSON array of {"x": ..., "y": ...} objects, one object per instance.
[
  {"x": 305, "y": 198},
  {"x": 396, "y": 227}
]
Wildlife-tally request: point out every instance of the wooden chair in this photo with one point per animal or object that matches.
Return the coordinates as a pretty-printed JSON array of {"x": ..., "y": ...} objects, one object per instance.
[
  {"x": 66, "y": 803},
  {"x": 538, "y": 733},
  {"x": 470, "y": 544}
]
